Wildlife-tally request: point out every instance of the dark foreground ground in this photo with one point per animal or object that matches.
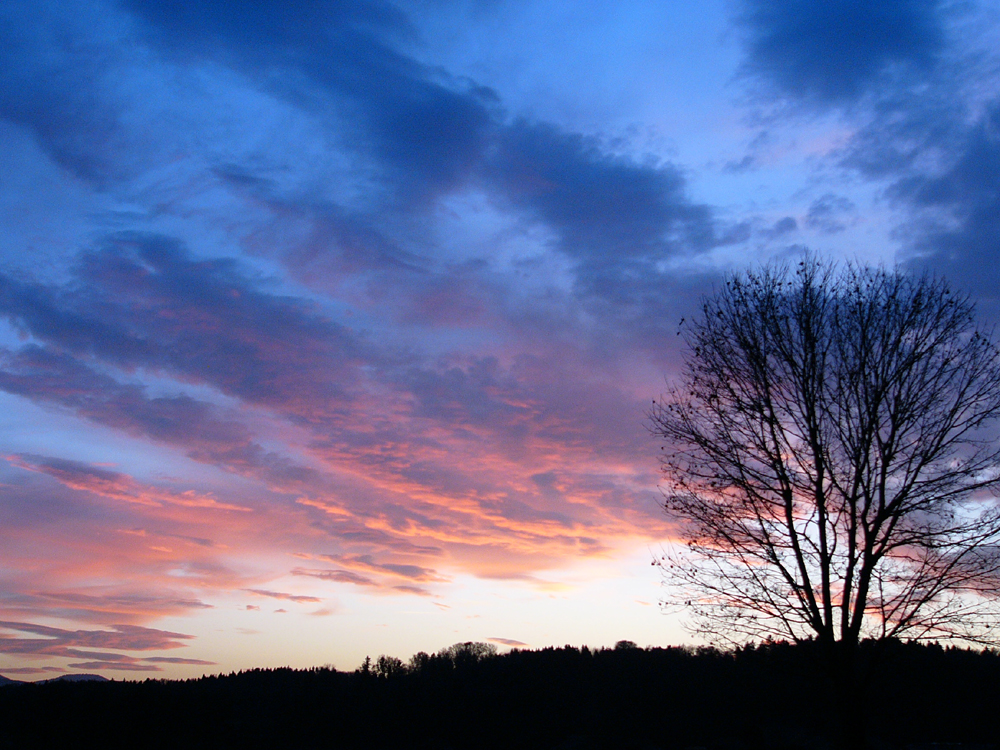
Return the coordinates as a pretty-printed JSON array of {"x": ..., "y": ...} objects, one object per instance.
[{"x": 767, "y": 697}]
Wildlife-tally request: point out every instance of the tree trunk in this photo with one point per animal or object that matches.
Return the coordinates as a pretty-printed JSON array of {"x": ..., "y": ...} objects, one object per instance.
[{"x": 849, "y": 686}]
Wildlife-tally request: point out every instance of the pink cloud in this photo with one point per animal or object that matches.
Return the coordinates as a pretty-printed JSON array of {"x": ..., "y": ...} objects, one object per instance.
[
  {"x": 178, "y": 660},
  {"x": 287, "y": 597},
  {"x": 398, "y": 570},
  {"x": 507, "y": 642},
  {"x": 34, "y": 670},
  {"x": 395, "y": 468},
  {"x": 121, "y": 637},
  {"x": 115, "y": 485},
  {"x": 347, "y": 576},
  {"x": 50, "y": 642},
  {"x": 119, "y": 667}
]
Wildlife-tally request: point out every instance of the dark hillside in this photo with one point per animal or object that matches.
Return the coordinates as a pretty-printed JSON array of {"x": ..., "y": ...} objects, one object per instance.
[{"x": 767, "y": 697}]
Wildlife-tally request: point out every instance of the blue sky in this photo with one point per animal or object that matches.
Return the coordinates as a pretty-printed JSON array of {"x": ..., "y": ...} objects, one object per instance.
[{"x": 328, "y": 328}]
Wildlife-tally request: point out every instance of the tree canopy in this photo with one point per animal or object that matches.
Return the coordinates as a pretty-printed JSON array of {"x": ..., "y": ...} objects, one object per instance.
[{"x": 828, "y": 460}]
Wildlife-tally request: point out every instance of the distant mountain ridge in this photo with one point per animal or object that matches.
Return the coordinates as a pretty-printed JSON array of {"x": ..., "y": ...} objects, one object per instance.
[{"x": 60, "y": 678}]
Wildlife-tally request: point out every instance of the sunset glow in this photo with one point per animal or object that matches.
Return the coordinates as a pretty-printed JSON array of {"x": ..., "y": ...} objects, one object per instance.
[{"x": 330, "y": 329}]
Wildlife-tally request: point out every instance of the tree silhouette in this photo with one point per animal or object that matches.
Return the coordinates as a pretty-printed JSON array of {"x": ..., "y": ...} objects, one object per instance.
[
  {"x": 828, "y": 463},
  {"x": 389, "y": 667}
]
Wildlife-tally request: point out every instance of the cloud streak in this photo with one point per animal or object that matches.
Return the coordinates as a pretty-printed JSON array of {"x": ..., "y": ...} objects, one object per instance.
[{"x": 55, "y": 642}]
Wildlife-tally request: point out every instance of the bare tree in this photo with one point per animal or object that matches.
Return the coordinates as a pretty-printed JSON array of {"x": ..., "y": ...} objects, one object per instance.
[{"x": 828, "y": 463}]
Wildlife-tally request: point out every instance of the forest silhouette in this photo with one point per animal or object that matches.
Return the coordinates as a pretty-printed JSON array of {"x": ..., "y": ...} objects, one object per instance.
[{"x": 765, "y": 696}]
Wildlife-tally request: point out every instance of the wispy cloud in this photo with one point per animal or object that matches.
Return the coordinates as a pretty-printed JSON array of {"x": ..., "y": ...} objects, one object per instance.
[
  {"x": 49, "y": 642},
  {"x": 33, "y": 670},
  {"x": 287, "y": 597},
  {"x": 507, "y": 642},
  {"x": 115, "y": 485},
  {"x": 374, "y": 584}
]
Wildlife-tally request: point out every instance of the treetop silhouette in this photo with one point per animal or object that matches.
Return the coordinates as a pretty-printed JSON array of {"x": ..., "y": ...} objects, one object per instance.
[{"x": 828, "y": 460}]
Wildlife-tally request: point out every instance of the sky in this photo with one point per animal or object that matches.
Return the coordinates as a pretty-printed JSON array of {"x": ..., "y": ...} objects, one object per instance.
[{"x": 329, "y": 328}]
